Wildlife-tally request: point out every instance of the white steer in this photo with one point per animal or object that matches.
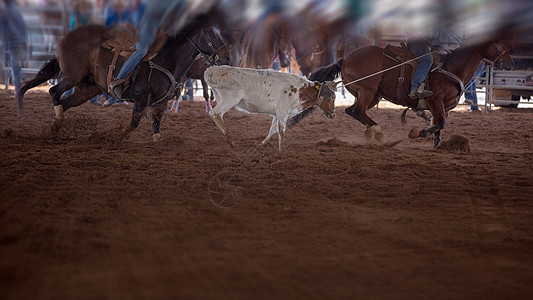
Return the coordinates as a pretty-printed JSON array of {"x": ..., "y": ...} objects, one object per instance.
[{"x": 281, "y": 95}]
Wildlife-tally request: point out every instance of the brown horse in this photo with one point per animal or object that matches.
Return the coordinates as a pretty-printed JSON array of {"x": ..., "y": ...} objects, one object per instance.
[
  {"x": 83, "y": 63},
  {"x": 362, "y": 73},
  {"x": 267, "y": 38}
]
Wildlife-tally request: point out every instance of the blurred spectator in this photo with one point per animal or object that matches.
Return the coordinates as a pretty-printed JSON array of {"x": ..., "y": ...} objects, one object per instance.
[
  {"x": 13, "y": 33},
  {"x": 81, "y": 14},
  {"x": 137, "y": 11},
  {"x": 189, "y": 90},
  {"x": 470, "y": 90},
  {"x": 116, "y": 13}
]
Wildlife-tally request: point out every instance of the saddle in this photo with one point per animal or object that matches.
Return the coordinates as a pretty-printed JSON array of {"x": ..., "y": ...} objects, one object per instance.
[
  {"x": 122, "y": 43},
  {"x": 401, "y": 54}
]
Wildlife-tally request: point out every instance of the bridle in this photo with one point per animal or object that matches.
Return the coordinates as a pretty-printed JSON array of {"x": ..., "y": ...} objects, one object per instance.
[
  {"x": 214, "y": 57},
  {"x": 500, "y": 50},
  {"x": 211, "y": 59}
]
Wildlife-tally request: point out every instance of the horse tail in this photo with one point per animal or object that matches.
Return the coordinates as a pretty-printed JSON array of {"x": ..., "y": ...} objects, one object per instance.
[
  {"x": 327, "y": 73},
  {"x": 48, "y": 71},
  {"x": 404, "y": 122}
]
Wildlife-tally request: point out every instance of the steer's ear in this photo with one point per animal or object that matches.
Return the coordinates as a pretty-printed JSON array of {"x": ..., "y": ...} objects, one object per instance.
[{"x": 317, "y": 85}]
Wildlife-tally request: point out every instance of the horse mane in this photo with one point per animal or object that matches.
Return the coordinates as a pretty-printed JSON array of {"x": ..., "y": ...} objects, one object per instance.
[
  {"x": 327, "y": 73},
  {"x": 462, "y": 52}
]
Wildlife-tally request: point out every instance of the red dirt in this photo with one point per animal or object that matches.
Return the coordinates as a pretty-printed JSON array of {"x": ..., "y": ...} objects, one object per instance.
[{"x": 86, "y": 213}]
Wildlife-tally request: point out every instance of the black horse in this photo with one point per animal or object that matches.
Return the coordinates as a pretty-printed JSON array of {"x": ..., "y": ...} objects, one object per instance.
[{"x": 83, "y": 63}]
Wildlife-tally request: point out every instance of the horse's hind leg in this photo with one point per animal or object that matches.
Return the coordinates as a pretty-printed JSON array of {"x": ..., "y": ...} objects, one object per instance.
[
  {"x": 66, "y": 84},
  {"x": 157, "y": 114},
  {"x": 84, "y": 91}
]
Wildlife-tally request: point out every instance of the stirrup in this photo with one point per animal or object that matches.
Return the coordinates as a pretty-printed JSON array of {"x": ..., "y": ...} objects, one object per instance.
[
  {"x": 420, "y": 95},
  {"x": 115, "y": 88},
  {"x": 425, "y": 93}
]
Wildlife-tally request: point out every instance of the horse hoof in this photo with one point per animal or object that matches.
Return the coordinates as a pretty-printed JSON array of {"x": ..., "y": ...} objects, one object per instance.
[
  {"x": 379, "y": 137},
  {"x": 378, "y": 133},
  {"x": 348, "y": 111},
  {"x": 156, "y": 137},
  {"x": 58, "y": 110},
  {"x": 414, "y": 133}
]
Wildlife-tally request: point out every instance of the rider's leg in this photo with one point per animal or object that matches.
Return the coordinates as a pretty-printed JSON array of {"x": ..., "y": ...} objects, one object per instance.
[
  {"x": 425, "y": 60},
  {"x": 148, "y": 30}
]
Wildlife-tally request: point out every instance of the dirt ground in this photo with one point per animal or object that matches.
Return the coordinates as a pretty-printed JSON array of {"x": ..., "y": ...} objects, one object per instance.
[{"x": 88, "y": 214}]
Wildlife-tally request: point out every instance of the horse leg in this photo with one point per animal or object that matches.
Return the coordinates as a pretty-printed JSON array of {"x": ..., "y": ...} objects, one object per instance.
[
  {"x": 137, "y": 113},
  {"x": 437, "y": 122},
  {"x": 205, "y": 88},
  {"x": 421, "y": 113},
  {"x": 84, "y": 91},
  {"x": 358, "y": 111},
  {"x": 273, "y": 130},
  {"x": 57, "y": 91},
  {"x": 157, "y": 114}
]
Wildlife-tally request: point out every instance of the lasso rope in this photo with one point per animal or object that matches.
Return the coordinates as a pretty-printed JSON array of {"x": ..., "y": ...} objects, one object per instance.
[{"x": 383, "y": 71}]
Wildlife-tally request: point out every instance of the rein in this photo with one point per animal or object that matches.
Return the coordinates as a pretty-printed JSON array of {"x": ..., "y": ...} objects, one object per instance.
[
  {"x": 174, "y": 85},
  {"x": 459, "y": 81}
]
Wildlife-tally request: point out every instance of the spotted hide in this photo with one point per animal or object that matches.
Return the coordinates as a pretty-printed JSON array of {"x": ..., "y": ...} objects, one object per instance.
[{"x": 281, "y": 95}]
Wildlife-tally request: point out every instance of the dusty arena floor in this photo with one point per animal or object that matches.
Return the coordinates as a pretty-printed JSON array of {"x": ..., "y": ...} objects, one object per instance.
[{"x": 88, "y": 214}]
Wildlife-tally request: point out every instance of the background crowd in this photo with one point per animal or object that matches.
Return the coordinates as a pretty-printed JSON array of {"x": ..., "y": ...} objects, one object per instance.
[{"x": 478, "y": 17}]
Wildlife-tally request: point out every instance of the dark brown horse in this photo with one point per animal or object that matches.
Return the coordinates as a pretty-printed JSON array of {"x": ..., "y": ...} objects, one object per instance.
[
  {"x": 201, "y": 63},
  {"x": 82, "y": 63},
  {"x": 265, "y": 39},
  {"x": 350, "y": 42},
  {"x": 361, "y": 72}
]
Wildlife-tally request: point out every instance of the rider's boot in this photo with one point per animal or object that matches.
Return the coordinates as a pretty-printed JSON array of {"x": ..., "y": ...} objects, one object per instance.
[
  {"x": 421, "y": 92},
  {"x": 115, "y": 88}
]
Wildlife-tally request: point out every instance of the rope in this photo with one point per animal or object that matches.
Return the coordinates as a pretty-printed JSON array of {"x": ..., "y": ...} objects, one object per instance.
[{"x": 383, "y": 71}]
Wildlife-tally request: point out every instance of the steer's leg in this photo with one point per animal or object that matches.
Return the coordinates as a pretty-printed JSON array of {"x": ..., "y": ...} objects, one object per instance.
[
  {"x": 273, "y": 130},
  {"x": 224, "y": 103},
  {"x": 281, "y": 133}
]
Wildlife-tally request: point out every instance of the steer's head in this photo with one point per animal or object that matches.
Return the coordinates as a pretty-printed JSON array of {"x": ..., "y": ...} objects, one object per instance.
[{"x": 319, "y": 94}]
